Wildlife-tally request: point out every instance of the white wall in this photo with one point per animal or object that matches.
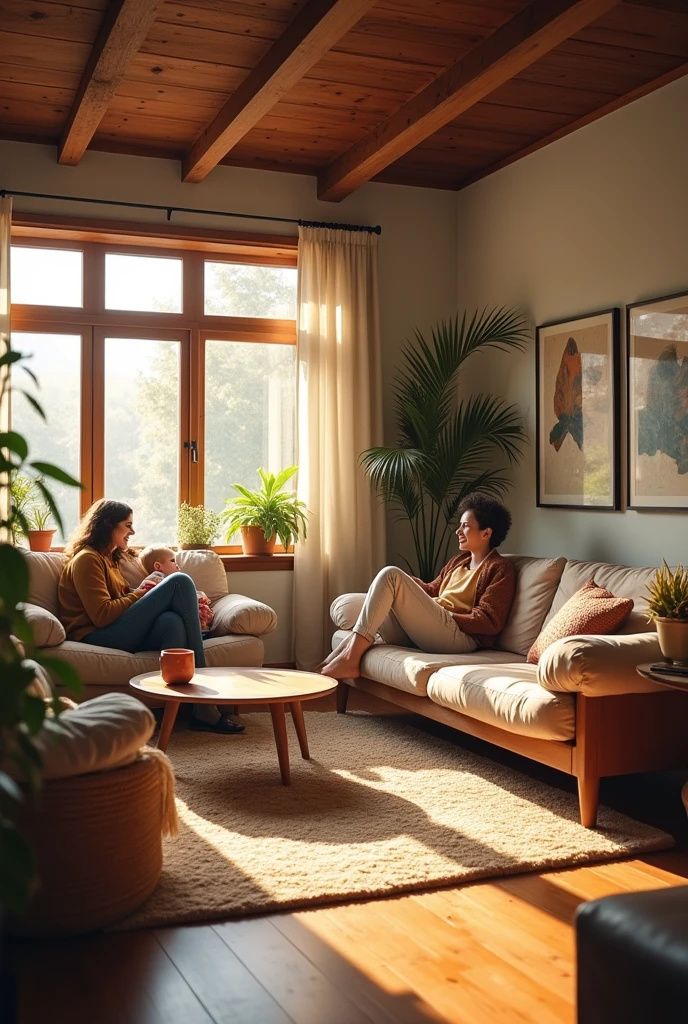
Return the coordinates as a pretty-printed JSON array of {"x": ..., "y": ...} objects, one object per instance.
[
  {"x": 417, "y": 252},
  {"x": 595, "y": 220},
  {"x": 274, "y": 589}
]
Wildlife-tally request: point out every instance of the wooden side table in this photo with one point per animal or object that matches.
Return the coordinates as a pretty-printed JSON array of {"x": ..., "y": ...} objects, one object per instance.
[{"x": 675, "y": 683}]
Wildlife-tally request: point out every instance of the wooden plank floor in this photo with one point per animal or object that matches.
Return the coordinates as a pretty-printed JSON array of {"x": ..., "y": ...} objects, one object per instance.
[{"x": 484, "y": 953}]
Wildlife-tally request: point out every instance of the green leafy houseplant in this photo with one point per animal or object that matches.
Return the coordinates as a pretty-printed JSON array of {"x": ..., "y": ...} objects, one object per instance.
[
  {"x": 278, "y": 513},
  {"x": 197, "y": 526},
  {"x": 668, "y": 607},
  {"x": 446, "y": 448},
  {"x": 21, "y": 713}
]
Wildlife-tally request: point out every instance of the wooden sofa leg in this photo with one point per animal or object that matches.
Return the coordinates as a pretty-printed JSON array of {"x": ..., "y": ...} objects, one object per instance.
[
  {"x": 588, "y": 744},
  {"x": 342, "y": 697},
  {"x": 588, "y": 799}
]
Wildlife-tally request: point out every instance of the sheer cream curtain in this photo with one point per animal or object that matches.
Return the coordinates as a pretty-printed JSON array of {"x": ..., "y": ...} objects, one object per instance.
[
  {"x": 5, "y": 230},
  {"x": 339, "y": 415}
]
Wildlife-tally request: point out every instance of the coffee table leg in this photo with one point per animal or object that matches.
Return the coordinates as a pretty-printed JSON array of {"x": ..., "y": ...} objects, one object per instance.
[
  {"x": 170, "y": 713},
  {"x": 300, "y": 726},
  {"x": 279, "y": 727}
]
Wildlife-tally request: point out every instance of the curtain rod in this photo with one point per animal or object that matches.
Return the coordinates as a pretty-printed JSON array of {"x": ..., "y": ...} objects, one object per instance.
[{"x": 169, "y": 210}]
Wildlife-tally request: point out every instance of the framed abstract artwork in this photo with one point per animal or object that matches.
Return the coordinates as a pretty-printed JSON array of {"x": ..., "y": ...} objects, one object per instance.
[
  {"x": 577, "y": 366},
  {"x": 657, "y": 332}
]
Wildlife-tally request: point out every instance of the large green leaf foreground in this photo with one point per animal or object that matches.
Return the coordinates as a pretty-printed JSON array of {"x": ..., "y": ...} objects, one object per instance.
[{"x": 447, "y": 448}]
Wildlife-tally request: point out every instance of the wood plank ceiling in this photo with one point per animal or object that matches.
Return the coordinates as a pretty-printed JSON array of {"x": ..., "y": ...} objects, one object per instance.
[{"x": 436, "y": 93}]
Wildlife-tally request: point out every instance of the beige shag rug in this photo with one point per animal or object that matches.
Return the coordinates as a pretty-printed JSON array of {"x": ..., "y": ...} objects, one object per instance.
[{"x": 381, "y": 807}]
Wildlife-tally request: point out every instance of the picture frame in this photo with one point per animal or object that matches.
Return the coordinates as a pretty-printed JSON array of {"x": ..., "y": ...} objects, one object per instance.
[
  {"x": 578, "y": 412},
  {"x": 657, "y": 403}
]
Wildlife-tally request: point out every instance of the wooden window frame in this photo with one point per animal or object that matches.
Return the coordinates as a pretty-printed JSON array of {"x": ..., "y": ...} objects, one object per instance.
[{"x": 92, "y": 320}]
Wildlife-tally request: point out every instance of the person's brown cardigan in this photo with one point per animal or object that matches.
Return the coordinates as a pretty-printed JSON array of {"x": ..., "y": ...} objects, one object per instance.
[{"x": 494, "y": 595}]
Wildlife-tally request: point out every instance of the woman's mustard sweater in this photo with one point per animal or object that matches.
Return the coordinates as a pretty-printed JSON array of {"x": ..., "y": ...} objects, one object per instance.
[{"x": 92, "y": 593}]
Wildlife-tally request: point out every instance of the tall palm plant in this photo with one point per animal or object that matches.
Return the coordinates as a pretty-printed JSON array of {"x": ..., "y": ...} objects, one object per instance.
[{"x": 445, "y": 448}]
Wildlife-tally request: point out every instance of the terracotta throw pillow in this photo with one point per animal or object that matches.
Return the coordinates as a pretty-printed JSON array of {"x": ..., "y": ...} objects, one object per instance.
[{"x": 592, "y": 610}]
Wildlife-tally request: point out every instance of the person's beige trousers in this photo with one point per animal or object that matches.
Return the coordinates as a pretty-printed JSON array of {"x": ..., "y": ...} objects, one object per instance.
[{"x": 403, "y": 614}]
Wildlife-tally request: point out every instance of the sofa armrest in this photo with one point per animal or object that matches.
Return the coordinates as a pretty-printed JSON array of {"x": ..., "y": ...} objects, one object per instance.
[
  {"x": 234, "y": 613},
  {"x": 345, "y": 609},
  {"x": 599, "y": 666},
  {"x": 48, "y": 631}
]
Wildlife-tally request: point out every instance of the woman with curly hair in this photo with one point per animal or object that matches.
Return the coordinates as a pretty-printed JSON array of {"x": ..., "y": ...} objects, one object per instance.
[
  {"x": 98, "y": 607},
  {"x": 466, "y": 607}
]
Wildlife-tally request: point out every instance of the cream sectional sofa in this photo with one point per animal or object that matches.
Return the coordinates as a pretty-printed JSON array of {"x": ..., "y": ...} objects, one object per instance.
[
  {"x": 583, "y": 709},
  {"x": 238, "y": 623}
]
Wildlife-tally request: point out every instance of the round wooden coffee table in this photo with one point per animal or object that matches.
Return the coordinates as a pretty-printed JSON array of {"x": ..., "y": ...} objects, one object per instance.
[{"x": 274, "y": 687}]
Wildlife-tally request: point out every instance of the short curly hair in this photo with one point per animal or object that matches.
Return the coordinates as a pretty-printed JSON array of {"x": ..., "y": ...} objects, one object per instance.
[{"x": 490, "y": 513}]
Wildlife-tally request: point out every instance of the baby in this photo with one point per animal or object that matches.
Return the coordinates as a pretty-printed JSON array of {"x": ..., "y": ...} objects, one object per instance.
[{"x": 160, "y": 562}]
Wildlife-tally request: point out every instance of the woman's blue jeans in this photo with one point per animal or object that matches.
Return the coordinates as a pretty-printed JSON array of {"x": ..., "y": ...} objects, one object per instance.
[{"x": 167, "y": 616}]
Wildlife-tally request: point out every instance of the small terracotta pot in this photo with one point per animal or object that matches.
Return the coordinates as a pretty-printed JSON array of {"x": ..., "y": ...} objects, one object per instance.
[
  {"x": 177, "y": 665},
  {"x": 40, "y": 540},
  {"x": 673, "y": 640},
  {"x": 195, "y": 547},
  {"x": 253, "y": 541}
]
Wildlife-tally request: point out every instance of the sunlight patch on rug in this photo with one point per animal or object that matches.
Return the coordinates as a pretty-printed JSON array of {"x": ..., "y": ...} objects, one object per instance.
[{"x": 381, "y": 807}]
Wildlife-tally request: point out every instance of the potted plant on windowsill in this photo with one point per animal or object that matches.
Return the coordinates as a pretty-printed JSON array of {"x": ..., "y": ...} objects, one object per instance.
[
  {"x": 264, "y": 515},
  {"x": 40, "y": 534},
  {"x": 668, "y": 607},
  {"x": 197, "y": 526}
]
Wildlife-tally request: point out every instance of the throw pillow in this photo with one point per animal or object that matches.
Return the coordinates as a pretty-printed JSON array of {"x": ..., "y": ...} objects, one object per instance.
[{"x": 591, "y": 610}]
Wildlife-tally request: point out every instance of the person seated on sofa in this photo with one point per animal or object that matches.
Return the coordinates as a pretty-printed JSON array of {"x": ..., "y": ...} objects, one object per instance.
[
  {"x": 98, "y": 607},
  {"x": 466, "y": 607},
  {"x": 159, "y": 562}
]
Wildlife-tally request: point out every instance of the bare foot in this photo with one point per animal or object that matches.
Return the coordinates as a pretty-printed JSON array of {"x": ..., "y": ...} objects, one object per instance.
[
  {"x": 342, "y": 667},
  {"x": 341, "y": 646}
]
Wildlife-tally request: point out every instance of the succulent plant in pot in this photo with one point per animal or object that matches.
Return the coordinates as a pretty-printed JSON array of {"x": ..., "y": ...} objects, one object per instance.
[
  {"x": 266, "y": 514},
  {"x": 668, "y": 607},
  {"x": 197, "y": 526}
]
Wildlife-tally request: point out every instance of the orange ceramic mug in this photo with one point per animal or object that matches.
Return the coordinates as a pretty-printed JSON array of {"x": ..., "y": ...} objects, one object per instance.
[{"x": 177, "y": 665}]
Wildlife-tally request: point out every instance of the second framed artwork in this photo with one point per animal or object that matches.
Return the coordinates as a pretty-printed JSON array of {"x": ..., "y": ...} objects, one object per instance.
[{"x": 577, "y": 366}]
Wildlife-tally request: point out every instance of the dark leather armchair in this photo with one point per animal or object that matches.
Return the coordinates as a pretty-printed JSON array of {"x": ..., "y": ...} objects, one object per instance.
[{"x": 632, "y": 958}]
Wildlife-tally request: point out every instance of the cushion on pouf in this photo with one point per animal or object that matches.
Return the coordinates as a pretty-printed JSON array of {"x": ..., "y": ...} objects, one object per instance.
[
  {"x": 592, "y": 610},
  {"x": 99, "y": 735}
]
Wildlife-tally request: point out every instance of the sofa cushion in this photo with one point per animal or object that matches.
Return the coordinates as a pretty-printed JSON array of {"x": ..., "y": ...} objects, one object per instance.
[
  {"x": 599, "y": 666},
  {"x": 45, "y": 568},
  {"x": 408, "y": 669},
  {"x": 99, "y": 735},
  {"x": 508, "y": 697},
  {"x": 206, "y": 570},
  {"x": 234, "y": 613},
  {"x": 622, "y": 581},
  {"x": 537, "y": 580},
  {"x": 47, "y": 629},
  {"x": 591, "y": 610},
  {"x": 106, "y": 667}
]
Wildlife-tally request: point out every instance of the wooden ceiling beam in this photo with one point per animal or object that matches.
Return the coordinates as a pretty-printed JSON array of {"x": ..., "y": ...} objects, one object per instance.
[
  {"x": 315, "y": 30},
  {"x": 616, "y": 104},
  {"x": 124, "y": 28},
  {"x": 515, "y": 46}
]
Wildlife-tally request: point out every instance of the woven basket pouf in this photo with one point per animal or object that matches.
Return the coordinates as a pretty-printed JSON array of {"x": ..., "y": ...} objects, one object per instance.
[{"x": 98, "y": 844}]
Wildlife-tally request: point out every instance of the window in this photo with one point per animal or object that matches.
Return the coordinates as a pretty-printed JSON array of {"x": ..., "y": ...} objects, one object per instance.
[
  {"x": 171, "y": 377},
  {"x": 236, "y": 290},
  {"x": 47, "y": 277},
  {"x": 55, "y": 359},
  {"x": 143, "y": 282}
]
